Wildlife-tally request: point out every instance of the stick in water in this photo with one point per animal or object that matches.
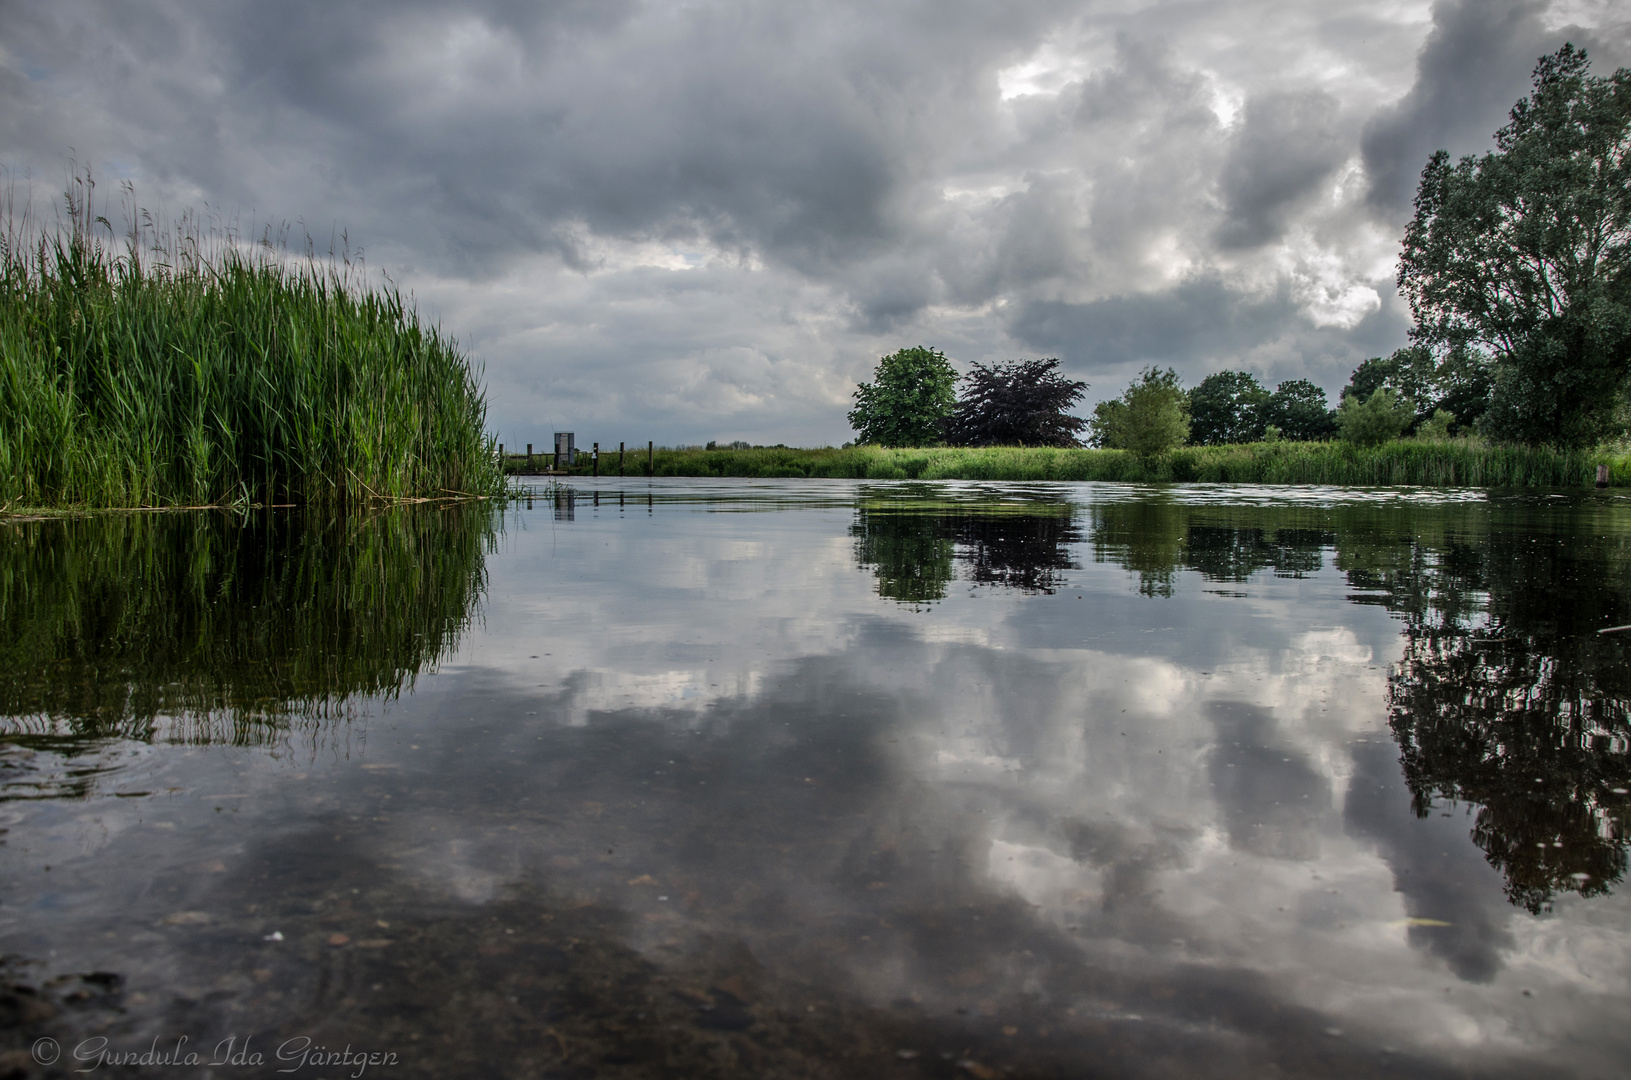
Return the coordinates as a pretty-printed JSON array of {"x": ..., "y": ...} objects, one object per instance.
[{"x": 1614, "y": 629}]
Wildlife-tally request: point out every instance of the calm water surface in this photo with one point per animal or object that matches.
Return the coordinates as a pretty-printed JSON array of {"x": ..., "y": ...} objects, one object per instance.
[{"x": 808, "y": 779}]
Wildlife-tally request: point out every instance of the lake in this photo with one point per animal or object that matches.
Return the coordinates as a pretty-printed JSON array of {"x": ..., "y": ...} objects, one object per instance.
[{"x": 822, "y": 779}]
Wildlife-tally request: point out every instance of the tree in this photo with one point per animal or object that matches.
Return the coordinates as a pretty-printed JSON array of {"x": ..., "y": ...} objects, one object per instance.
[
  {"x": 1521, "y": 259},
  {"x": 909, "y": 400},
  {"x": 1108, "y": 423},
  {"x": 1459, "y": 384},
  {"x": 1409, "y": 372},
  {"x": 1227, "y": 407},
  {"x": 1382, "y": 416},
  {"x": 1297, "y": 408},
  {"x": 1024, "y": 402},
  {"x": 1151, "y": 417}
]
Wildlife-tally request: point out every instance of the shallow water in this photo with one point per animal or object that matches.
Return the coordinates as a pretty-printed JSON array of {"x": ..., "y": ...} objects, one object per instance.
[{"x": 822, "y": 779}]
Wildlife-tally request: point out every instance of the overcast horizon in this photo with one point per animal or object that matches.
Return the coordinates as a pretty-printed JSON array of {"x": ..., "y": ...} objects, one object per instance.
[{"x": 708, "y": 220}]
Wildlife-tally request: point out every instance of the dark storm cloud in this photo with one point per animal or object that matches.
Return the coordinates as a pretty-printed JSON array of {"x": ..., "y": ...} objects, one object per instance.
[
  {"x": 1287, "y": 146},
  {"x": 505, "y": 125},
  {"x": 1198, "y": 317},
  {"x": 1200, "y": 326},
  {"x": 844, "y": 179},
  {"x": 1474, "y": 66},
  {"x": 1271, "y": 799},
  {"x": 1441, "y": 877},
  {"x": 1151, "y": 141}
]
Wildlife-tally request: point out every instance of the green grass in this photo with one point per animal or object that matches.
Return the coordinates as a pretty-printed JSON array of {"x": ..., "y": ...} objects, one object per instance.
[
  {"x": 193, "y": 369},
  {"x": 1457, "y": 463}
]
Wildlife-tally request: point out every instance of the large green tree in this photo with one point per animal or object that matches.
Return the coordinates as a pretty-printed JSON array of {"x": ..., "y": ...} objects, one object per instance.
[
  {"x": 1297, "y": 408},
  {"x": 1521, "y": 259},
  {"x": 909, "y": 401},
  {"x": 1227, "y": 407}
]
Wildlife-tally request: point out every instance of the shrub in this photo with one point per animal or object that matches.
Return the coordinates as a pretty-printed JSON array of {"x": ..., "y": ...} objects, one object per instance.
[
  {"x": 1382, "y": 416},
  {"x": 1436, "y": 428},
  {"x": 1151, "y": 418}
]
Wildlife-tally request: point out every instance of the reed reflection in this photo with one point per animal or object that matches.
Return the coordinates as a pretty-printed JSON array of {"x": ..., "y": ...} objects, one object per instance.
[{"x": 215, "y": 628}]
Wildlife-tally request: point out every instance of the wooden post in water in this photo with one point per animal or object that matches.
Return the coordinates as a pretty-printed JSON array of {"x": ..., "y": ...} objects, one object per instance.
[
  {"x": 501, "y": 459},
  {"x": 529, "y": 457},
  {"x": 650, "y": 468},
  {"x": 595, "y": 459},
  {"x": 1602, "y": 476},
  {"x": 619, "y": 460}
]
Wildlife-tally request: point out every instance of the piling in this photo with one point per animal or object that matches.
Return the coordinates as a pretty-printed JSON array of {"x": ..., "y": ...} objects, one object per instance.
[
  {"x": 1602, "y": 476},
  {"x": 594, "y": 459},
  {"x": 620, "y": 461},
  {"x": 529, "y": 457},
  {"x": 650, "y": 471}
]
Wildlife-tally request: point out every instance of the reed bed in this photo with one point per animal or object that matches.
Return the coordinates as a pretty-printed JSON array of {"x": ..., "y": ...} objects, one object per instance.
[
  {"x": 1456, "y": 463},
  {"x": 190, "y": 368}
]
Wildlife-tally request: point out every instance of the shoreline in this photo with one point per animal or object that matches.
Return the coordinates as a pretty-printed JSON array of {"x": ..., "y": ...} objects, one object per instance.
[{"x": 1402, "y": 463}]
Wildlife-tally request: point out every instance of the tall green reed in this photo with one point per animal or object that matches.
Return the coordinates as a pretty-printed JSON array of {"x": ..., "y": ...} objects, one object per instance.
[{"x": 184, "y": 366}]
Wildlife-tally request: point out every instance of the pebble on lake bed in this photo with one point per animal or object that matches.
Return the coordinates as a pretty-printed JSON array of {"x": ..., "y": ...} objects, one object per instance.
[{"x": 188, "y": 918}]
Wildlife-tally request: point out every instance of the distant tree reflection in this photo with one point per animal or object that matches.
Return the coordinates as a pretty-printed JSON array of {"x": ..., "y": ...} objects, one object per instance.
[
  {"x": 914, "y": 549},
  {"x": 1155, "y": 539},
  {"x": 1506, "y": 696},
  {"x": 907, "y": 553},
  {"x": 1518, "y": 705}
]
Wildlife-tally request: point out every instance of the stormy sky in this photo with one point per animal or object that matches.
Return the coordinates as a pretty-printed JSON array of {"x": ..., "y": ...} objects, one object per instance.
[{"x": 707, "y": 220}]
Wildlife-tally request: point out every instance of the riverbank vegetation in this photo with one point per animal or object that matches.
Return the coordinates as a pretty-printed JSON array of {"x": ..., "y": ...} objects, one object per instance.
[
  {"x": 183, "y": 366},
  {"x": 1433, "y": 463}
]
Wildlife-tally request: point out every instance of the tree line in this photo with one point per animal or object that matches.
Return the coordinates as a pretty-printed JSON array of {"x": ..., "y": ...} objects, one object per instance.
[
  {"x": 1517, "y": 269},
  {"x": 914, "y": 400}
]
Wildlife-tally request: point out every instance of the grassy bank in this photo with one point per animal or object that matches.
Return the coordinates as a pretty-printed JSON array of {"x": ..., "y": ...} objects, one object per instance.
[
  {"x": 199, "y": 370},
  {"x": 1405, "y": 462}
]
